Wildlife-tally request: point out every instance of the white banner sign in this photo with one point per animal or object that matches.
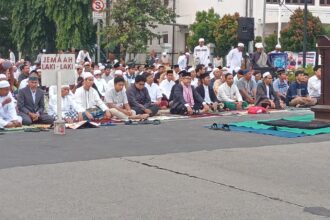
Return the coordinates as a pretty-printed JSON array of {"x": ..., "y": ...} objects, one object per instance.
[{"x": 51, "y": 64}]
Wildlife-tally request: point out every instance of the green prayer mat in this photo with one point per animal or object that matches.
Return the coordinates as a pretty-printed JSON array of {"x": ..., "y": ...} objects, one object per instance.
[{"x": 304, "y": 118}]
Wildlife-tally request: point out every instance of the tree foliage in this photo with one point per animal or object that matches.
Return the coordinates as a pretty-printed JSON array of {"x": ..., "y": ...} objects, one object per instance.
[
  {"x": 6, "y": 41},
  {"x": 270, "y": 42},
  {"x": 226, "y": 33},
  {"x": 73, "y": 19},
  {"x": 32, "y": 30},
  {"x": 204, "y": 27},
  {"x": 292, "y": 36},
  {"x": 133, "y": 23},
  {"x": 37, "y": 24}
]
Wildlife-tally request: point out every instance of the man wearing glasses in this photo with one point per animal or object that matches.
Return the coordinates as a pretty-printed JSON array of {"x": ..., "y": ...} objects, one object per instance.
[
  {"x": 186, "y": 100},
  {"x": 266, "y": 95}
]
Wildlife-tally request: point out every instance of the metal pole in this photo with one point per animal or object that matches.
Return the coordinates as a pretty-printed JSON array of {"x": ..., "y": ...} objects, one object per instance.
[
  {"x": 98, "y": 41},
  {"x": 59, "y": 97},
  {"x": 305, "y": 35},
  {"x": 173, "y": 34},
  {"x": 264, "y": 23},
  {"x": 279, "y": 27},
  {"x": 246, "y": 7}
]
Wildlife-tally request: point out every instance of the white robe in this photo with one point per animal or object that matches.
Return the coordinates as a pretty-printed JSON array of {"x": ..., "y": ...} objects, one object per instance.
[
  {"x": 68, "y": 105},
  {"x": 203, "y": 54},
  {"x": 166, "y": 87},
  {"x": 101, "y": 85},
  {"x": 89, "y": 99},
  {"x": 234, "y": 59},
  {"x": 8, "y": 112}
]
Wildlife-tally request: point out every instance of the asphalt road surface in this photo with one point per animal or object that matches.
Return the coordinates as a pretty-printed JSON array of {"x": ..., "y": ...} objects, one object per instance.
[{"x": 176, "y": 170}]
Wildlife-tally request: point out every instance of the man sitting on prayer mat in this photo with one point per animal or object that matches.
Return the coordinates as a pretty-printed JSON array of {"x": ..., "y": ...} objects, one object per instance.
[
  {"x": 139, "y": 99},
  {"x": 230, "y": 95},
  {"x": 71, "y": 111},
  {"x": 31, "y": 103},
  {"x": 297, "y": 94},
  {"x": 89, "y": 100},
  {"x": 116, "y": 100},
  {"x": 207, "y": 93},
  {"x": 247, "y": 87},
  {"x": 8, "y": 114},
  {"x": 186, "y": 99},
  {"x": 266, "y": 96}
]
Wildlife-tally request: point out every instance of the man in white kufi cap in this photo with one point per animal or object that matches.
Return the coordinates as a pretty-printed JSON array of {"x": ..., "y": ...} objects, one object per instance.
[
  {"x": 234, "y": 57},
  {"x": 259, "y": 58},
  {"x": 8, "y": 114},
  {"x": 89, "y": 100},
  {"x": 201, "y": 53},
  {"x": 266, "y": 95}
]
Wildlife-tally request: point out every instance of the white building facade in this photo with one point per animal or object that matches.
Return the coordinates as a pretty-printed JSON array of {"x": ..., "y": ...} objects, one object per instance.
[{"x": 187, "y": 9}]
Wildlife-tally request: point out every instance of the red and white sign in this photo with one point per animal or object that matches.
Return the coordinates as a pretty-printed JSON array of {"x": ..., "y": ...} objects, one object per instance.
[{"x": 99, "y": 5}]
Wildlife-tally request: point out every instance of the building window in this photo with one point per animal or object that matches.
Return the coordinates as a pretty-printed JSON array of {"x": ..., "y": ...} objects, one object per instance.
[
  {"x": 325, "y": 2},
  {"x": 272, "y": 1},
  {"x": 299, "y": 2},
  {"x": 165, "y": 38}
]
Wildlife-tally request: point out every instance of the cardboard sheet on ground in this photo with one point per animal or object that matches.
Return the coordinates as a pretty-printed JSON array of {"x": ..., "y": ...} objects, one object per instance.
[{"x": 82, "y": 124}]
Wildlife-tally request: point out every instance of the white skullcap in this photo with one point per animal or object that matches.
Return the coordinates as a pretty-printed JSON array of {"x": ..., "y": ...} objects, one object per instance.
[
  {"x": 87, "y": 75},
  {"x": 278, "y": 46},
  {"x": 266, "y": 74},
  {"x": 115, "y": 61},
  {"x": 3, "y": 76},
  {"x": 187, "y": 54},
  {"x": 164, "y": 53},
  {"x": 65, "y": 86},
  {"x": 97, "y": 72},
  {"x": 119, "y": 72},
  {"x": 44, "y": 50},
  {"x": 201, "y": 40},
  {"x": 4, "y": 84},
  {"x": 191, "y": 70},
  {"x": 259, "y": 45},
  {"x": 76, "y": 66},
  {"x": 240, "y": 45},
  {"x": 102, "y": 67}
]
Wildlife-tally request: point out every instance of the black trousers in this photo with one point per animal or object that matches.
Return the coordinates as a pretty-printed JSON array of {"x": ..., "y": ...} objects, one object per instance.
[{"x": 153, "y": 108}]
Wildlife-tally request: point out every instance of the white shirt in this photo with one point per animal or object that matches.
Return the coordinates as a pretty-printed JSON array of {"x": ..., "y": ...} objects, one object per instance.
[
  {"x": 68, "y": 105},
  {"x": 267, "y": 88},
  {"x": 229, "y": 94},
  {"x": 314, "y": 87},
  {"x": 101, "y": 85},
  {"x": 194, "y": 82},
  {"x": 88, "y": 99},
  {"x": 203, "y": 54},
  {"x": 82, "y": 55},
  {"x": 23, "y": 83},
  {"x": 234, "y": 59},
  {"x": 166, "y": 87},
  {"x": 182, "y": 62},
  {"x": 8, "y": 112},
  {"x": 207, "y": 98},
  {"x": 154, "y": 92}
]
